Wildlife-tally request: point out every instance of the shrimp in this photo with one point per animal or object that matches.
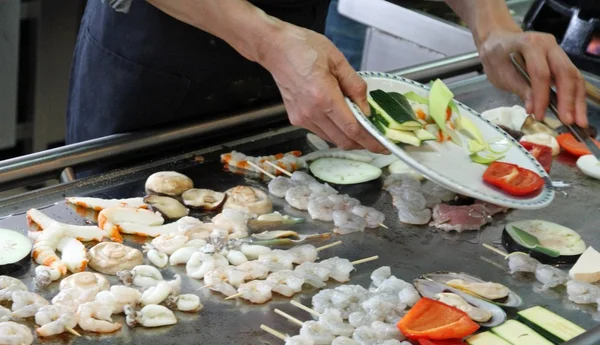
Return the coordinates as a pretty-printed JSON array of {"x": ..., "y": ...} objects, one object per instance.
[
  {"x": 201, "y": 263},
  {"x": 5, "y": 314},
  {"x": 313, "y": 273},
  {"x": 236, "y": 257},
  {"x": 217, "y": 281},
  {"x": 157, "y": 258},
  {"x": 278, "y": 260},
  {"x": 26, "y": 304},
  {"x": 8, "y": 285},
  {"x": 150, "y": 316},
  {"x": 405, "y": 215},
  {"x": 254, "y": 270},
  {"x": 188, "y": 303},
  {"x": 521, "y": 262},
  {"x": 96, "y": 317},
  {"x": 118, "y": 297},
  {"x": 74, "y": 254},
  {"x": 142, "y": 276},
  {"x": 550, "y": 276},
  {"x": 286, "y": 282},
  {"x": 343, "y": 202},
  {"x": 169, "y": 243},
  {"x": 582, "y": 293},
  {"x": 346, "y": 222},
  {"x": 321, "y": 208},
  {"x": 332, "y": 319},
  {"x": 181, "y": 256},
  {"x": 343, "y": 341},
  {"x": 44, "y": 248},
  {"x": 12, "y": 333},
  {"x": 298, "y": 340},
  {"x": 304, "y": 253},
  {"x": 44, "y": 276},
  {"x": 279, "y": 186},
  {"x": 339, "y": 269},
  {"x": 252, "y": 252},
  {"x": 298, "y": 197},
  {"x": 54, "y": 320},
  {"x": 88, "y": 282},
  {"x": 302, "y": 176},
  {"x": 71, "y": 299},
  {"x": 256, "y": 291},
  {"x": 156, "y": 294},
  {"x": 380, "y": 275},
  {"x": 318, "y": 332},
  {"x": 370, "y": 215}
]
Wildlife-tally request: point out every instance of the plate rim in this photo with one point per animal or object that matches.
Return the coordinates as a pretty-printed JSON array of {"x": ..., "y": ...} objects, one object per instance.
[{"x": 542, "y": 200}]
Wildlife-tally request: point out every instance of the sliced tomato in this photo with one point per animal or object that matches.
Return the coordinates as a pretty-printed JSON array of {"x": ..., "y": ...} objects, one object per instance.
[
  {"x": 441, "y": 342},
  {"x": 512, "y": 179},
  {"x": 542, "y": 153},
  {"x": 570, "y": 144},
  {"x": 434, "y": 320}
]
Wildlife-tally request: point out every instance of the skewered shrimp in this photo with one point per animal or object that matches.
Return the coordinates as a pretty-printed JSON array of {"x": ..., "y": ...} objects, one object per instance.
[
  {"x": 278, "y": 260},
  {"x": 142, "y": 276},
  {"x": 321, "y": 208},
  {"x": 550, "y": 276},
  {"x": 217, "y": 280},
  {"x": 386, "y": 331},
  {"x": 252, "y": 252},
  {"x": 169, "y": 243},
  {"x": 156, "y": 294},
  {"x": 286, "y": 282},
  {"x": 12, "y": 333},
  {"x": 74, "y": 254},
  {"x": 54, "y": 320},
  {"x": 370, "y": 215},
  {"x": 44, "y": 249},
  {"x": 521, "y": 262},
  {"x": 405, "y": 215},
  {"x": 304, "y": 253},
  {"x": 232, "y": 220},
  {"x": 256, "y": 291},
  {"x": 71, "y": 299},
  {"x": 360, "y": 318},
  {"x": 318, "y": 190},
  {"x": 280, "y": 185},
  {"x": 8, "y": 285},
  {"x": 26, "y": 304},
  {"x": 201, "y": 263},
  {"x": 409, "y": 296},
  {"x": 150, "y": 316},
  {"x": 343, "y": 341},
  {"x": 302, "y": 176},
  {"x": 339, "y": 268},
  {"x": 298, "y": 197},
  {"x": 298, "y": 340},
  {"x": 86, "y": 281},
  {"x": 313, "y": 273},
  {"x": 236, "y": 257},
  {"x": 96, "y": 317},
  {"x": 582, "y": 293},
  {"x": 346, "y": 222},
  {"x": 45, "y": 275},
  {"x": 332, "y": 319},
  {"x": 254, "y": 270},
  {"x": 118, "y": 297},
  {"x": 158, "y": 259},
  {"x": 5, "y": 314},
  {"x": 380, "y": 275},
  {"x": 318, "y": 332},
  {"x": 343, "y": 202}
]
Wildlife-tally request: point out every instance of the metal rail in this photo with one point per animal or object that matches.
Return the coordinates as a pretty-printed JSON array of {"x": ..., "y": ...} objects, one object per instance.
[{"x": 50, "y": 163}]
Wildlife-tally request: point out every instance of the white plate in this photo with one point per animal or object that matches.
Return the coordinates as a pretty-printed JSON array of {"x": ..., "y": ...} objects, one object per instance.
[{"x": 449, "y": 164}]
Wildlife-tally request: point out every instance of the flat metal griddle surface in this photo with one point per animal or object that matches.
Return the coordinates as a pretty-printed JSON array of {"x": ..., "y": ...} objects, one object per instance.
[{"x": 409, "y": 250}]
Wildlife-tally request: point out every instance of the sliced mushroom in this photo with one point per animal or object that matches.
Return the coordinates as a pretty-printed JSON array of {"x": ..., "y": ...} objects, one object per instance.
[
  {"x": 168, "y": 183},
  {"x": 205, "y": 199},
  {"x": 111, "y": 257},
  {"x": 170, "y": 208},
  {"x": 251, "y": 200}
]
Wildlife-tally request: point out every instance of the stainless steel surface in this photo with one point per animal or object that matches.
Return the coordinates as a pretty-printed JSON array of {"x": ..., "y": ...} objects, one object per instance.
[
  {"x": 409, "y": 250},
  {"x": 67, "y": 175},
  {"x": 519, "y": 63},
  {"x": 55, "y": 160},
  {"x": 442, "y": 68},
  {"x": 591, "y": 337},
  {"x": 9, "y": 67}
]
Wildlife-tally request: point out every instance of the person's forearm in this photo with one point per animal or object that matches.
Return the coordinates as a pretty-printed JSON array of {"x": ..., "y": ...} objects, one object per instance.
[
  {"x": 239, "y": 23},
  {"x": 484, "y": 16}
]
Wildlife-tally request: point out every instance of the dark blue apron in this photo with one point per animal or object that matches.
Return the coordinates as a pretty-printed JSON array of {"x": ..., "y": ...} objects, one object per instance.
[{"x": 145, "y": 69}]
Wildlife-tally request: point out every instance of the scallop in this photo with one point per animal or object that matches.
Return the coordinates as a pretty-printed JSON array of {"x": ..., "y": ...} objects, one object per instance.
[
  {"x": 492, "y": 292},
  {"x": 169, "y": 183},
  {"x": 169, "y": 208},
  {"x": 432, "y": 289},
  {"x": 204, "y": 199}
]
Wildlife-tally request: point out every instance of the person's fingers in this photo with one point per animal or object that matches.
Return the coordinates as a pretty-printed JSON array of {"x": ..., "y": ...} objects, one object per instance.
[
  {"x": 580, "y": 104},
  {"x": 539, "y": 72},
  {"x": 567, "y": 83},
  {"x": 320, "y": 133},
  {"x": 351, "y": 84},
  {"x": 338, "y": 137},
  {"x": 341, "y": 115}
]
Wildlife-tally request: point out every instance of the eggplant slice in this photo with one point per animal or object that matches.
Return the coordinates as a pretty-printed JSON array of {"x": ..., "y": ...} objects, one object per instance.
[
  {"x": 169, "y": 208},
  {"x": 203, "y": 199},
  {"x": 16, "y": 252}
]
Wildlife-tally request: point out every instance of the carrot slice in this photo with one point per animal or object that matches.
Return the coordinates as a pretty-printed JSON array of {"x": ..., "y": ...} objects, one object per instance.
[
  {"x": 448, "y": 114},
  {"x": 421, "y": 114},
  {"x": 430, "y": 319}
]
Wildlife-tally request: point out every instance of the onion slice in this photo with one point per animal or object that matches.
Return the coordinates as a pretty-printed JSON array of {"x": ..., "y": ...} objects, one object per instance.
[{"x": 15, "y": 251}]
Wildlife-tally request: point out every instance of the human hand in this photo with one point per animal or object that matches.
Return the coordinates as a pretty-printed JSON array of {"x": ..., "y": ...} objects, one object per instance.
[
  {"x": 545, "y": 61},
  {"x": 313, "y": 77}
]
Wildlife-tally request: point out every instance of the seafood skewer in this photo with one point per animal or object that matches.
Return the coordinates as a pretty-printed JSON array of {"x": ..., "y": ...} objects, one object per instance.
[
  {"x": 54, "y": 320},
  {"x": 258, "y": 291}
]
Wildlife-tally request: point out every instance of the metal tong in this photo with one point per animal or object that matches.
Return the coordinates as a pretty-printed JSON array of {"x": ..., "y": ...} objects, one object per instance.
[{"x": 519, "y": 62}]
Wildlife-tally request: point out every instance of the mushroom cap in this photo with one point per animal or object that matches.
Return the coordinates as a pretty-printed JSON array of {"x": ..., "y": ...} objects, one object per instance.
[
  {"x": 85, "y": 281},
  {"x": 111, "y": 257},
  {"x": 168, "y": 183}
]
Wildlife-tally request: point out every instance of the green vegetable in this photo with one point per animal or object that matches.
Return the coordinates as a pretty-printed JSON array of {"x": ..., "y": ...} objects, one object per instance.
[
  {"x": 343, "y": 171},
  {"x": 474, "y": 146},
  {"x": 424, "y": 135},
  {"x": 439, "y": 98},
  {"x": 412, "y": 96},
  {"x": 555, "y": 328},
  {"x": 486, "y": 338},
  {"x": 517, "y": 333},
  {"x": 476, "y": 158},
  {"x": 530, "y": 241},
  {"x": 394, "y": 108},
  {"x": 403, "y": 137},
  {"x": 466, "y": 125}
]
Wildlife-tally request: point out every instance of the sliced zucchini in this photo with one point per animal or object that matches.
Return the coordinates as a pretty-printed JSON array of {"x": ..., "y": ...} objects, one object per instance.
[
  {"x": 395, "y": 109},
  {"x": 439, "y": 98},
  {"x": 555, "y": 328},
  {"x": 517, "y": 333},
  {"x": 424, "y": 135},
  {"x": 343, "y": 171},
  {"x": 484, "y": 160},
  {"x": 403, "y": 137},
  {"x": 486, "y": 338},
  {"x": 413, "y": 96}
]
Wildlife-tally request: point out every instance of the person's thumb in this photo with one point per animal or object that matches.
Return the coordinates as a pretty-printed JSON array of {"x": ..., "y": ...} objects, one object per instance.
[{"x": 351, "y": 84}]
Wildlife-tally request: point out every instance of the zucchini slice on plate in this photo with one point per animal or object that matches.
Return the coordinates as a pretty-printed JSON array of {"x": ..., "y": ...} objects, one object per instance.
[
  {"x": 554, "y": 327},
  {"x": 517, "y": 333},
  {"x": 398, "y": 136},
  {"x": 344, "y": 171},
  {"x": 394, "y": 108},
  {"x": 486, "y": 338}
]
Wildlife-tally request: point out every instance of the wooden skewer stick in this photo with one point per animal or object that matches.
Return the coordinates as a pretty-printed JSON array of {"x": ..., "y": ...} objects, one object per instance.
[
  {"x": 72, "y": 331},
  {"x": 273, "y": 332},
  {"x": 496, "y": 250},
  {"x": 327, "y": 246},
  {"x": 362, "y": 261},
  {"x": 277, "y": 167},
  {"x": 239, "y": 294},
  {"x": 305, "y": 308},
  {"x": 289, "y": 317},
  {"x": 261, "y": 169}
]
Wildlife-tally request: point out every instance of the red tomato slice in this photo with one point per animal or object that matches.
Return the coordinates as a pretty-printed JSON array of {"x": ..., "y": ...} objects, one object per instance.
[
  {"x": 512, "y": 179},
  {"x": 568, "y": 142},
  {"x": 542, "y": 153}
]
